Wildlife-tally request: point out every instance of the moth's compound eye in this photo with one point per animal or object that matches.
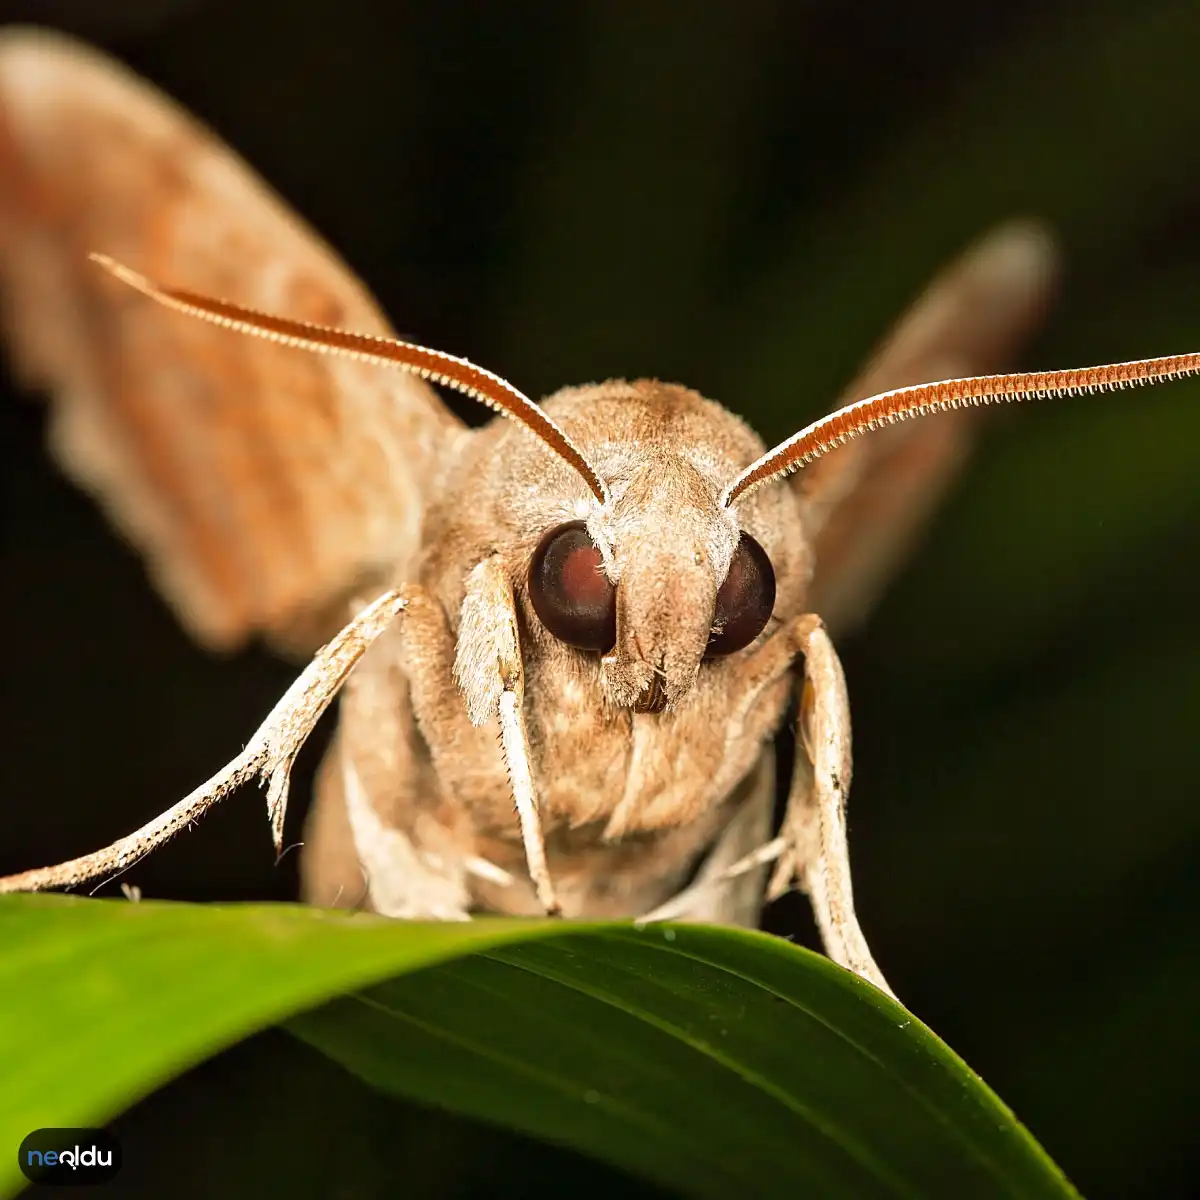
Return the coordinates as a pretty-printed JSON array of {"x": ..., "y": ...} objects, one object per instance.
[
  {"x": 744, "y": 600},
  {"x": 570, "y": 592}
]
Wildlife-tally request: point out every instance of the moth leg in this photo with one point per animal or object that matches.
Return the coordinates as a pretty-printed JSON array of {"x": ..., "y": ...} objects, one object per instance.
[
  {"x": 490, "y": 674},
  {"x": 515, "y": 741},
  {"x": 815, "y": 853},
  {"x": 811, "y": 849},
  {"x": 268, "y": 755}
]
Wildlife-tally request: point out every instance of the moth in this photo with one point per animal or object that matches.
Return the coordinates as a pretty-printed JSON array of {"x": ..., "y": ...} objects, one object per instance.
[{"x": 565, "y": 640}]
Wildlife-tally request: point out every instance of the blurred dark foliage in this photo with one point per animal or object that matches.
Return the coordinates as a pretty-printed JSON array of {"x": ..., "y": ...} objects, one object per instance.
[{"x": 740, "y": 197}]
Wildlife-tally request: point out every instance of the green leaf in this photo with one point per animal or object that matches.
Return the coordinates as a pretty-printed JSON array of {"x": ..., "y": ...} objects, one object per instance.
[{"x": 714, "y": 1061}]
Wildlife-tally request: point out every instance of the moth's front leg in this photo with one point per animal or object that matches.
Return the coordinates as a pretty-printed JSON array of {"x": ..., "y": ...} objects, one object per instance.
[
  {"x": 268, "y": 755},
  {"x": 811, "y": 848},
  {"x": 491, "y": 676},
  {"x": 815, "y": 854}
]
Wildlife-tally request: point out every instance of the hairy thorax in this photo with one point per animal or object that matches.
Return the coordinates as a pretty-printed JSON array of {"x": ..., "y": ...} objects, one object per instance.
[{"x": 628, "y": 795}]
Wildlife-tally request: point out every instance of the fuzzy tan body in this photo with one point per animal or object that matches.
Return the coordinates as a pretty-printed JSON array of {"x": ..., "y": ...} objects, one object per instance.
[{"x": 629, "y": 800}]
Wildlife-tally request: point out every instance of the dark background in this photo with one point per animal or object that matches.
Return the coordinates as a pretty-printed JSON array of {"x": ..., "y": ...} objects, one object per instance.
[{"x": 740, "y": 197}]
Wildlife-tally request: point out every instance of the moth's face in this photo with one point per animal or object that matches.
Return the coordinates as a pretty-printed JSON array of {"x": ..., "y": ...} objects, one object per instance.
[
  {"x": 662, "y": 582},
  {"x": 655, "y": 583},
  {"x": 651, "y": 588}
]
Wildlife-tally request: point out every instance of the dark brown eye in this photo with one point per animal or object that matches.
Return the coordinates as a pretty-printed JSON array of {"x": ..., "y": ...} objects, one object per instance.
[
  {"x": 569, "y": 590},
  {"x": 744, "y": 600}
]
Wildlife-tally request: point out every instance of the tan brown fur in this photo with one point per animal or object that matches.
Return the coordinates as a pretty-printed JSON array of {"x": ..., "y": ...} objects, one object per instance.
[{"x": 628, "y": 800}]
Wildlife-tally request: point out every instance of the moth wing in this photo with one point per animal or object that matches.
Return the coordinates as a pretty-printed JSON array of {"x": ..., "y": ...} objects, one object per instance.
[
  {"x": 868, "y": 500},
  {"x": 261, "y": 484}
]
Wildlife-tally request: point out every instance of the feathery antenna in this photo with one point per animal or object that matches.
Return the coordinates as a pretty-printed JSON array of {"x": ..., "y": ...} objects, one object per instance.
[
  {"x": 434, "y": 365},
  {"x": 889, "y": 407}
]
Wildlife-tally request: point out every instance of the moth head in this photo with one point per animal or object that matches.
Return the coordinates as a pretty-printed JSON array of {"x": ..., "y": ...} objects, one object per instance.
[{"x": 658, "y": 583}]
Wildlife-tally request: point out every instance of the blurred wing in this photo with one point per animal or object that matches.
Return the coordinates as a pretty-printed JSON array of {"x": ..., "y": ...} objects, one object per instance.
[
  {"x": 262, "y": 484},
  {"x": 868, "y": 500}
]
